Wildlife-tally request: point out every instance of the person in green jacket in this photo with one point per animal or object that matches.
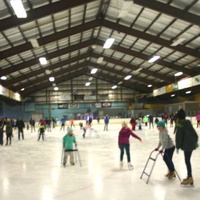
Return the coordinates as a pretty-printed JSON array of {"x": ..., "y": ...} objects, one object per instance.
[
  {"x": 69, "y": 140},
  {"x": 186, "y": 140}
]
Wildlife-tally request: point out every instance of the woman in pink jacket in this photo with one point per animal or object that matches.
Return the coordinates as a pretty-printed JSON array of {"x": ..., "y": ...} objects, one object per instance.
[
  {"x": 123, "y": 142},
  {"x": 198, "y": 119}
]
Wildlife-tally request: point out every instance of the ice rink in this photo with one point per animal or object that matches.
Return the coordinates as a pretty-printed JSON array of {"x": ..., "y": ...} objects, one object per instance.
[{"x": 32, "y": 170}]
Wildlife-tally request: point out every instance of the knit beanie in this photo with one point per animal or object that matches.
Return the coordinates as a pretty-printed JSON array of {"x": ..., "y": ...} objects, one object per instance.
[
  {"x": 69, "y": 130},
  {"x": 181, "y": 114},
  {"x": 161, "y": 124}
]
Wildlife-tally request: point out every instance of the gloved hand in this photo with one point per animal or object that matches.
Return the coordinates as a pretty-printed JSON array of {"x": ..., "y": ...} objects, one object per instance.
[
  {"x": 177, "y": 151},
  {"x": 161, "y": 151},
  {"x": 156, "y": 149}
]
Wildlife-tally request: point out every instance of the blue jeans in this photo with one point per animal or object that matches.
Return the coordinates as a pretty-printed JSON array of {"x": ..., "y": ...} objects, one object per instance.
[{"x": 168, "y": 158}]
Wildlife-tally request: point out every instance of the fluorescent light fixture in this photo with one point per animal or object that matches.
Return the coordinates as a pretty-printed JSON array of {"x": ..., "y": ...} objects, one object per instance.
[
  {"x": 52, "y": 79},
  {"x": 54, "y": 84},
  {"x": 87, "y": 84},
  {"x": 100, "y": 60},
  {"x": 120, "y": 83},
  {"x": 43, "y": 61},
  {"x": 108, "y": 43},
  {"x": 153, "y": 59},
  {"x": 188, "y": 92},
  {"x": 178, "y": 74},
  {"x": 56, "y": 88},
  {"x": 173, "y": 95},
  {"x": 149, "y": 85},
  {"x": 90, "y": 79},
  {"x": 114, "y": 87},
  {"x": 18, "y": 8},
  {"x": 22, "y": 89},
  {"x": 3, "y": 78},
  {"x": 127, "y": 77},
  {"x": 34, "y": 43},
  {"x": 93, "y": 71},
  {"x": 177, "y": 42}
]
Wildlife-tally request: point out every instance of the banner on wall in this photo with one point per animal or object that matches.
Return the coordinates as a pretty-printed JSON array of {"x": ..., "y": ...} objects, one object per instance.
[
  {"x": 96, "y": 105},
  {"x": 107, "y": 104},
  {"x": 62, "y": 105}
]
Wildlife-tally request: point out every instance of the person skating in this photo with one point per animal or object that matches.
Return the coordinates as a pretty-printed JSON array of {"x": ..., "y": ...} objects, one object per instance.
[
  {"x": 69, "y": 140},
  {"x": 187, "y": 140},
  {"x": 123, "y": 142},
  {"x": 167, "y": 146}
]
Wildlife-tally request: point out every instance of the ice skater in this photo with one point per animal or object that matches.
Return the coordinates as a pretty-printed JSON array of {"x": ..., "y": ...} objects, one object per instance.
[
  {"x": 69, "y": 140},
  {"x": 167, "y": 146},
  {"x": 123, "y": 142},
  {"x": 41, "y": 132},
  {"x": 187, "y": 140},
  {"x": 8, "y": 131}
]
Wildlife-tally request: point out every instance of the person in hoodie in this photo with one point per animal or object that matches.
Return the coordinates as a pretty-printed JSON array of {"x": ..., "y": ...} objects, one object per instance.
[
  {"x": 187, "y": 140},
  {"x": 166, "y": 144},
  {"x": 123, "y": 142}
]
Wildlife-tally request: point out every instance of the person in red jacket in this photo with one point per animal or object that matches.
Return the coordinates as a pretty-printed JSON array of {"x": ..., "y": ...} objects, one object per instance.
[{"x": 123, "y": 142}]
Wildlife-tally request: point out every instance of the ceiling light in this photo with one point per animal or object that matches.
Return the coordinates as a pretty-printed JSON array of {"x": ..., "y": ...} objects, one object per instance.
[
  {"x": 127, "y": 77},
  {"x": 90, "y": 79},
  {"x": 188, "y": 92},
  {"x": 172, "y": 95},
  {"x": 120, "y": 83},
  {"x": 52, "y": 79},
  {"x": 114, "y": 87},
  {"x": 18, "y": 8},
  {"x": 177, "y": 42},
  {"x": 178, "y": 74},
  {"x": 3, "y": 78},
  {"x": 153, "y": 59},
  {"x": 149, "y": 85},
  {"x": 22, "y": 89},
  {"x": 93, "y": 71},
  {"x": 34, "y": 43},
  {"x": 54, "y": 84},
  {"x": 108, "y": 43},
  {"x": 100, "y": 60},
  {"x": 56, "y": 88},
  {"x": 87, "y": 84},
  {"x": 43, "y": 61}
]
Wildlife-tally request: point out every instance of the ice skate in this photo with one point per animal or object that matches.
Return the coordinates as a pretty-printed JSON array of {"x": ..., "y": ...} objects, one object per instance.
[
  {"x": 121, "y": 164},
  {"x": 187, "y": 181},
  {"x": 130, "y": 166},
  {"x": 171, "y": 175}
]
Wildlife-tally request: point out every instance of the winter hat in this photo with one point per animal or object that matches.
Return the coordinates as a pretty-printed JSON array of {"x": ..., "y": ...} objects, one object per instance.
[
  {"x": 69, "y": 130},
  {"x": 181, "y": 114},
  {"x": 161, "y": 124}
]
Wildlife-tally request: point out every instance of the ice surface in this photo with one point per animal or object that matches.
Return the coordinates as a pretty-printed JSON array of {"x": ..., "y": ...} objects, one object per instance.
[{"x": 32, "y": 170}]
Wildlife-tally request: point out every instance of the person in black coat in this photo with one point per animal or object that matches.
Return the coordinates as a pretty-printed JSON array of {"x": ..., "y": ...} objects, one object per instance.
[{"x": 20, "y": 125}]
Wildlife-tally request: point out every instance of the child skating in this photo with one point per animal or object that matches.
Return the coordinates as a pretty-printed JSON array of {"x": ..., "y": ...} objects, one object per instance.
[
  {"x": 123, "y": 142},
  {"x": 69, "y": 140},
  {"x": 167, "y": 146}
]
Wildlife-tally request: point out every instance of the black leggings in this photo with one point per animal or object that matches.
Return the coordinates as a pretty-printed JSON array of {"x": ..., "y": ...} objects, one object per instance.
[
  {"x": 187, "y": 155},
  {"x": 127, "y": 149}
]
